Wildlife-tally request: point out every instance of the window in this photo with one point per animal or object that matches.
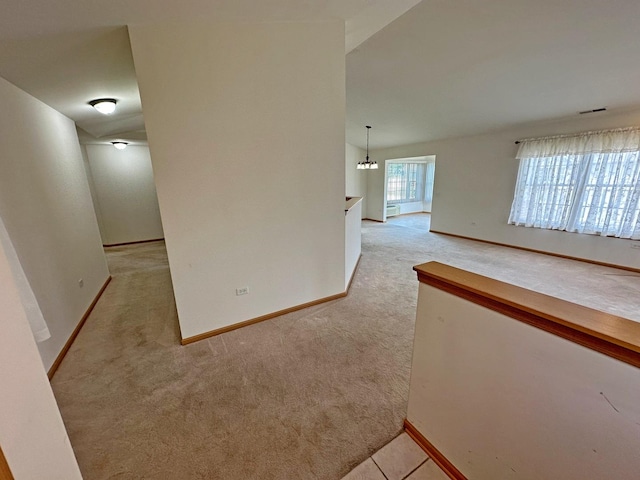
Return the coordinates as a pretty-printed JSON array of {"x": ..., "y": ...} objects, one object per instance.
[
  {"x": 589, "y": 183},
  {"x": 405, "y": 182}
]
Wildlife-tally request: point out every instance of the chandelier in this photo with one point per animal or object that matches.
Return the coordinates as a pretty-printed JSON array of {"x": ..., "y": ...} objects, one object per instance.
[{"x": 367, "y": 165}]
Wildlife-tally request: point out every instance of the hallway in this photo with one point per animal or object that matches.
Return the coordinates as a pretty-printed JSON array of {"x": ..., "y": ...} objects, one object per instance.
[{"x": 306, "y": 395}]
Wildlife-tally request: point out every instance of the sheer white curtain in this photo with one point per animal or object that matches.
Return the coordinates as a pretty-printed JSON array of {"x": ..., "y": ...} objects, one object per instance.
[
  {"x": 429, "y": 179},
  {"x": 32, "y": 309},
  {"x": 586, "y": 183}
]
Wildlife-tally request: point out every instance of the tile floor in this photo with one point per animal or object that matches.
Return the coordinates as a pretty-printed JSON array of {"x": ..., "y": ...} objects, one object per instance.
[{"x": 400, "y": 459}]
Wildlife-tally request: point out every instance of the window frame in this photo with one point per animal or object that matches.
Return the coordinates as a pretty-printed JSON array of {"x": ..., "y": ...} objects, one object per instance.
[
  {"x": 582, "y": 185},
  {"x": 414, "y": 181}
]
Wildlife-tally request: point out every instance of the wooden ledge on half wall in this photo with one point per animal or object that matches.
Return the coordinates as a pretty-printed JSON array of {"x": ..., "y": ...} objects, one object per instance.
[
  {"x": 351, "y": 202},
  {"x": 609, "y": 334}
]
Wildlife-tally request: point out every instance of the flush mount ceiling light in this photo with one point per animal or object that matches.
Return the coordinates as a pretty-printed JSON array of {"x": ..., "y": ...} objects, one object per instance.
[
  {"x": 367, "y": 165},
  {"x": 104, "y": 105},
  {"x": 120, "y": 145}
]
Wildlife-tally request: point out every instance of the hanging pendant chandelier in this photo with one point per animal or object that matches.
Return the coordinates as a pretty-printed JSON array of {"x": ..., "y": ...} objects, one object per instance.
[{"x": 367, "y": 165}]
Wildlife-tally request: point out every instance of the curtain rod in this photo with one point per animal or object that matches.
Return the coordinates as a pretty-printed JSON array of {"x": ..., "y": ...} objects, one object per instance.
[{"x": 550, "y": 137}]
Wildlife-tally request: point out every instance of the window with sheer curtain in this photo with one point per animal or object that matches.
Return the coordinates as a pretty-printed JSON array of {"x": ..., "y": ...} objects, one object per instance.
[{"x": 586, "y": 183}]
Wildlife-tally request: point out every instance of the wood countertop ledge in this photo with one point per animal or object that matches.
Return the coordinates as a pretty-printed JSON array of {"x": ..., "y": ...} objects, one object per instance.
[{"x": 609, "y": 334}]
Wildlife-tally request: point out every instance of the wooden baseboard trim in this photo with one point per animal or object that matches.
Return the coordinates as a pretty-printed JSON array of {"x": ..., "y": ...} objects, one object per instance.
[
  {"x": 353, "y": 274},
  {"x": 433, "y": 453},
  {"x": 526, "y": 249},
  {"x": 268, "y": 316},
  {"x": 409, "y": 213},
  {"x": 76, "y": 331},
  {"x": 5, "y": 471},
  {"x": 132, "y": 243},
  {"x": 373, "y": 220}
]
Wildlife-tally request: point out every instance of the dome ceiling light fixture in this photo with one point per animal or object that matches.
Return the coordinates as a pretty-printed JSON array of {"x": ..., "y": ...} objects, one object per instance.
[
  {"x": 367, "y": 165},
  {"x": 120, "y": 145},
  {"x": 104, "y": 105}
]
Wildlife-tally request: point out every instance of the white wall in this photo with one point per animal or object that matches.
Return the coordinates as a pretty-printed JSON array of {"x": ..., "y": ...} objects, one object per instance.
[
  {"x": 352, "y": 240},
  {"x": 376, "y": 191},
  {"x": 33, "y": 438},
  {"x": 355, "y": 180},
  {"x": 92, "y": 189},
  {"x": 502, "y": 399},
  {"x": 125, "y": 193},
  {"x": 246, "y": 130},
  {"x": 46, "y": 206},
  {"x": 474, "y": 185}
]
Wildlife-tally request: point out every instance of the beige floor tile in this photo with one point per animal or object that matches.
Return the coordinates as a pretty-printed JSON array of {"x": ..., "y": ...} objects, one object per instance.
[
  {"x": 367, "y": 470},
  {"x": 399, "y": 457},
  {"x": 428, "y": 471}
]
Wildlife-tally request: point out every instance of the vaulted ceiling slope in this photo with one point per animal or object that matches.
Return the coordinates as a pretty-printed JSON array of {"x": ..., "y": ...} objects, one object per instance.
[
  {"x": 68, "y": 52},
  {"x": 440, "y": 70},
  {"x": 454, "y": 68}
]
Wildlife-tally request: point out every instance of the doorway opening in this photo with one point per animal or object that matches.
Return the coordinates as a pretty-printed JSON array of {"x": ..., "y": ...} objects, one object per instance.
[{"x": 408, "y": 185}]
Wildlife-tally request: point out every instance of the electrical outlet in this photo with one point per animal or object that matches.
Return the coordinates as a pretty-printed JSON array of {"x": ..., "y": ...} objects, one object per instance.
[
  {"x": 81, "y": 283},
  {"x": 635, "y": 245},
  {"x": 242, "y": 290}
]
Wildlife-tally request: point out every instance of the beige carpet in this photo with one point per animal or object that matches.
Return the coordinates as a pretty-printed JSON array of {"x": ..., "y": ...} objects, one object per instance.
[{"x": 308, "y": 395}]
